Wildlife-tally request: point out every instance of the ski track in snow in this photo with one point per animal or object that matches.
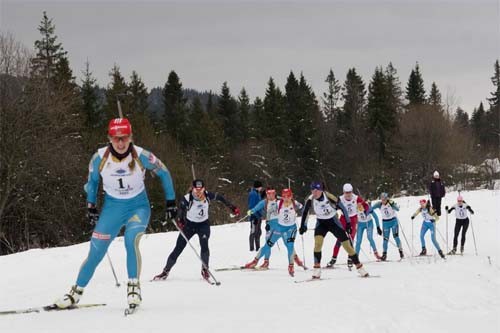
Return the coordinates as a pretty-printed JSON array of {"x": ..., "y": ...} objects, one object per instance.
[{"x": 418, "y": 295}]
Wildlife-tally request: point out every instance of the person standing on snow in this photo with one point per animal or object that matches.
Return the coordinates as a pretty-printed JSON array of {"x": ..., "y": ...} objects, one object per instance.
[
  {"x": 365, "y": 222},
  {"x": 193, "y": 220},
  {"x": 437, "y": 192},
  {"x": 254, "y": 197},
  {"x": 279, "y": 221},
  {"x": 430, "y": 217},
  {"x": 350, "y": 202},
  {"x": 462, "y": 222},
  {"x": 388, "y": 209},
  {"x": 122, "y": 167},
  {"x": 325, "y": 206}
]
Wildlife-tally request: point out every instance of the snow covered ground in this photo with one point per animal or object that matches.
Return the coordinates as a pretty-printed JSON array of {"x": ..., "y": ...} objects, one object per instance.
[{"x": 461, "y": 294}]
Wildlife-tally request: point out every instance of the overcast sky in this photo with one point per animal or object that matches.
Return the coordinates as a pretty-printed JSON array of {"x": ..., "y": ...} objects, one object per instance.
[{"x": 244, "y": 43}]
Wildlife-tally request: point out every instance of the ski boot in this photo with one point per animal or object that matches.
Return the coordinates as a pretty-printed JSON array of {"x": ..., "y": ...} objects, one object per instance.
[
  {"x": 384, "y": 256},
  {"x": 317, "y": 271},
  {"x": 461, "y": 250},
  {"x": 349, "y": 263},
  {"x": 298, "y": 261},
  {"x": 251, "y": 264},
  {"x": 162, "y": 276},
  {"x": 452, "y": 252},
  {"x": 265, "y": 264},
  {"x": 331, "y": 262},
  {"x": 423, "y": 252},
  {"x": 133, "y": 293},
  {"x": 70, "y": 299},
  {"x": 205, "y": 274},
  {"x": 377, "y": 256},
  {"x": 441, "y": 254},
  {"x": 362, "y": 272},
  {"x": 401, "y": 254},
  {"x": 291, "y": 270}
]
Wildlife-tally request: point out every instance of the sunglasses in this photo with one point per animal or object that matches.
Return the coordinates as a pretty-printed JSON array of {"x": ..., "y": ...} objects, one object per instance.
[{"x": 117, "y": 139}]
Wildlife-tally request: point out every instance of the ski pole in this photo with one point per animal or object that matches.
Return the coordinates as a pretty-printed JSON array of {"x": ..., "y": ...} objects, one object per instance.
[
  {"x": 412, "y": 242},
  {"x": 473, "y": 235},
  {"x": 406, "y": 239},
  {"x": 194, "y": 250},
  {"x": 303, "y": 250},
  {"x": 447, "y": 248},
  {"x": 113, "y": 270}
]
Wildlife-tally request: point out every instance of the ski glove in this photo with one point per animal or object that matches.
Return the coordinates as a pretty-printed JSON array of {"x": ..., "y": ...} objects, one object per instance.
[
  {"x": 268, "y": 227},
  {"x": 236, "y": 211},
  {"x": 92, "y": 215},
  {"x": 302, "y": 229},
  {"x": 348, "y": 228},
  {"x": 180, "y": 223},
  {"x": 446, "y": 207},
  {"x": 379, "y": 231},
  {"x": 249, "y": 212},
  {"x": 171, "y": 210},
  {"x": 412, "y": 217}
]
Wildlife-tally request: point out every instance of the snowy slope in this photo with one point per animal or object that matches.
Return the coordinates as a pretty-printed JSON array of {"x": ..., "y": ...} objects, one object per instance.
[{"x": 416, "y": 295}]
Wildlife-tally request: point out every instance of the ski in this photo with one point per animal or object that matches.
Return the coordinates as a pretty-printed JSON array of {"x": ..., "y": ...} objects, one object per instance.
[
  {"x": 311, "y": 280},
  {"x": 130, "y": 310},
  {"x": 51, "y": 307},
  {"x": 213, "y": 283},
  {"x": 240, "y": 268},
  {"x": 369, "y": 276}
]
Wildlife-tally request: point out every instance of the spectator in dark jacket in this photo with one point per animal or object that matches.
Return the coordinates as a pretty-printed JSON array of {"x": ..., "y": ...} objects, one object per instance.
[
  {"x": 254, "y": 197},
  {"x": 437, "y": 192}
]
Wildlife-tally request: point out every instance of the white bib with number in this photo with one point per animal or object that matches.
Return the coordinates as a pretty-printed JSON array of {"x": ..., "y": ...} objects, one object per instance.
[
  {"x": 323, "y": 208},
  {"x": 350, "y": 205},
  {"x": 118, "y": 180},
  {"x": 198, "y": 212},
  {"x": 287, "y": 215},
  {"x": 461, "y": 211},
  {"x": 388, "y": 213}
]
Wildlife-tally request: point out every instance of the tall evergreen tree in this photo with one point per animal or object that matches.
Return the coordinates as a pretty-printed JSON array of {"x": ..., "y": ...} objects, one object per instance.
[
  {"x": 461, "y": 119},
  {"x": 331, "y": 97},
  {"x": 353, "y": 94},
  {"x": 48, "y": 52},
  {"x": 244, "y": 111},
  {"x": 435, "y": 97},
  {"x": 175, "y": 107},
  {"x": 138, "y": 95},
  {"x": 228, "y": 114},
  {"x": 257, "y": 118},
  {"x": 90, "y": 100},
  {"x": 395, "y": 94},
  {"x": 118, "y": 88},
  {"x": 273, "y": 125},
  {"x": 494, "y": 100},
  {"x": 381, "y": 118},
  {"x": 493, "y": 114},
  {"x": 415, "y": 91},
  {"x": 479, "y": 124}
]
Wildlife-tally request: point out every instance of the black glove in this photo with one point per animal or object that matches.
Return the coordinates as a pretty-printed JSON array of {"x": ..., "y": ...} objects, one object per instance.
[
  {"x": 171, "y": 210},
  {"x": 446, "y": 207},
  {"x": 379, "y": 231},
  {"x": 302, "y": 229},
  {"x": 180, "y": 223},
  {"x": 412, "y": 217},
  {"x": 92, "y": 215},
  {"x": 348, "y": 228},
  {"x": 268, "y": 227},
  {"x": 472, "y": 212}
]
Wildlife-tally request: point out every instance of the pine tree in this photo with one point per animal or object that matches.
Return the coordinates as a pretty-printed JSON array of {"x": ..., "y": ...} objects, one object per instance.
[
  {"x": 332, "y": 97},
  {"x": 90, "y": 100},
  {"x": 395, "y": 94},
  {"x": 273, "y": 125},
  {"x": 495, "y": 79},
  {"x": 228, "y": 114},
  {"x": 138, "y": 95},
  {"x": 244, "y": 111},
  {"x": 175, "y": 107},
  {"x": 461, "y": 120},
  {"x": 117, "y": 88},
  {"x": 353, "y": 93},
  {"x": 479, "y": 125},
  {"x": 415, "y": 91},
  {"x": 48, "y": 52},
  {"x": 257, "y": 118},
  {"x": 493, "y": 114},
  {"x": 381, "y": 118},
  {"x": 435, "y": 97}
]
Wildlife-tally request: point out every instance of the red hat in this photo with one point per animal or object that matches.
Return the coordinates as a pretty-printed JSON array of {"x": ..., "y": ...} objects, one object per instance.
[
  {"x": 286, "y": 193},
  {"x": 423, "y": 201},
  {"x": 119, "y": 127}
]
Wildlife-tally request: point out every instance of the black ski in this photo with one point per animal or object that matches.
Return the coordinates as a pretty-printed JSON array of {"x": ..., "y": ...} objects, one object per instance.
[
  {"x": 51, "y": 307},
  {"x": 311, "y": 280}
]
